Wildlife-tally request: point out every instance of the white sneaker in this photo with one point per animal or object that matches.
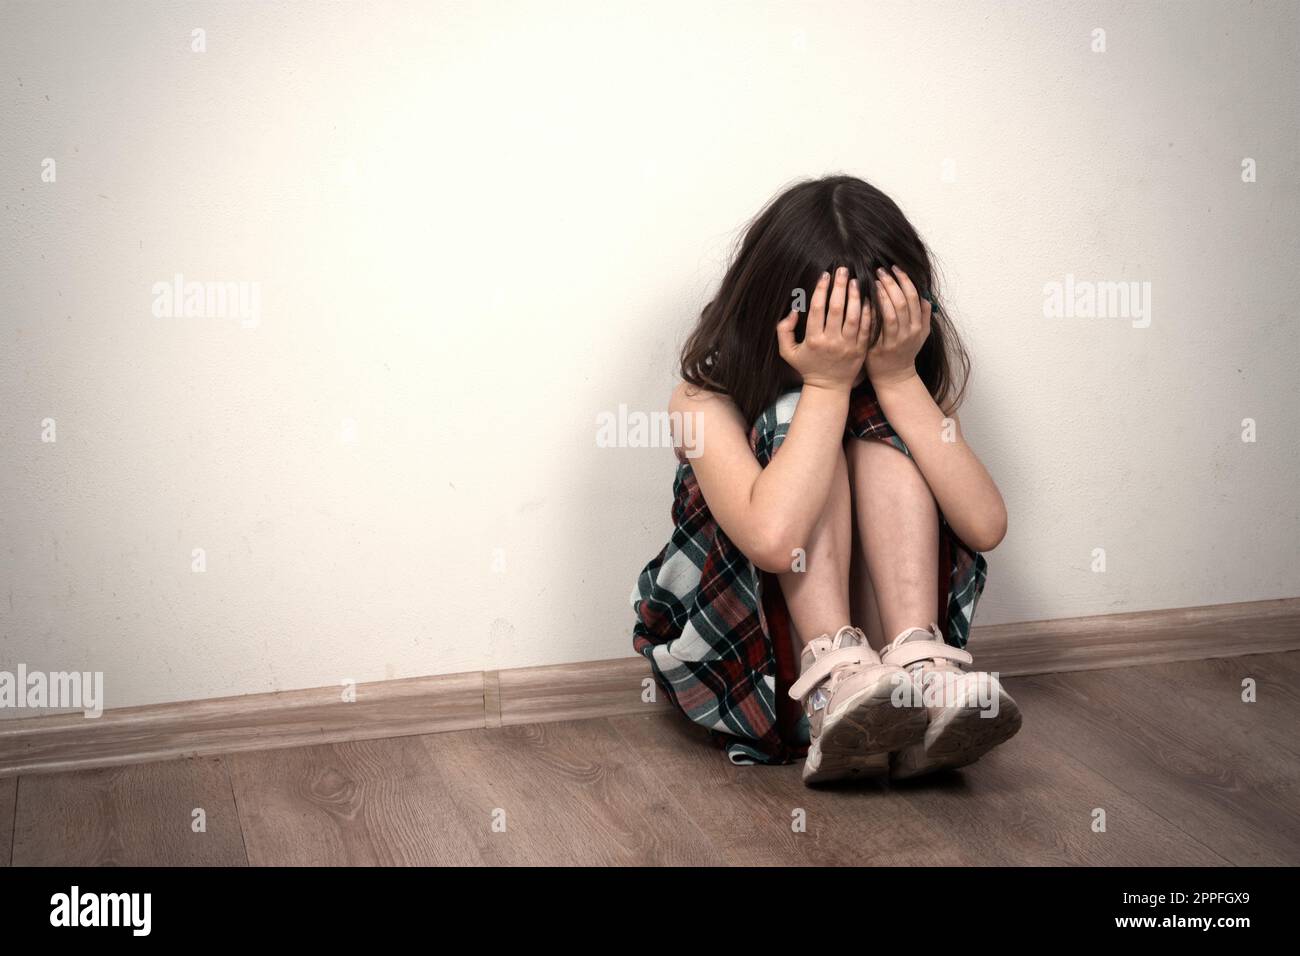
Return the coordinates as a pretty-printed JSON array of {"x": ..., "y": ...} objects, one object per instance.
[
  {"x": 968, "y": 712},
  {"x": 853, "y": 721}
]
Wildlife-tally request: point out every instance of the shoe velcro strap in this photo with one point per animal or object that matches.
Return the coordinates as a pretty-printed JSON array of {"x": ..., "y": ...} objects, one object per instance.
[
  {"x": 910, "y": 652},
  {"x": 823, "y": 666}
]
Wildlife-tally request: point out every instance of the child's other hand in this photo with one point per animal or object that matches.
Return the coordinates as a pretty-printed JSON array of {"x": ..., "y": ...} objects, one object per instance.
[
  {"x": 904, "y": 327},
  {"x": 834, "y": 344}
]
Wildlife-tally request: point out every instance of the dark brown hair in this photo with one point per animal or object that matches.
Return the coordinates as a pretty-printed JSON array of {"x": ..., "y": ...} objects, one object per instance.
[{"x": 812, "y": 228}]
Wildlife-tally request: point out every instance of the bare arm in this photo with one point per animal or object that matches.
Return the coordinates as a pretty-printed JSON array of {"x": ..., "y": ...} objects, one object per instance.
[
  {"x": 962, "y": 487},
  {"x": 768, "y": 512}
]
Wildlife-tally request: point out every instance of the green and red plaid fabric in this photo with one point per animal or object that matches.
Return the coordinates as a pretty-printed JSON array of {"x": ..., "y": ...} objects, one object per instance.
[{"x": 715, "y": 628}]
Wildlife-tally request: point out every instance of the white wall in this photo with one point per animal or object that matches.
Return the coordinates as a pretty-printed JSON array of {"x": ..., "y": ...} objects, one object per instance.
[{"x": 478, "y": 225}]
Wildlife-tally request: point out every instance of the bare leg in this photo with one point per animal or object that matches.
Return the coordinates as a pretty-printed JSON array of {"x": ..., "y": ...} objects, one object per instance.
[
  {"x": 862, "y": 598},
  {"x": 898, "y": 538},
  {"x": 818, "y": 596},
  {"x": 898, "y": 548}
]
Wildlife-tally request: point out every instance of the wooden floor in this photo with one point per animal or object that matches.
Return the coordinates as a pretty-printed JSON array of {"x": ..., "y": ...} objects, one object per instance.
[{"x": 1184, "y": 771}]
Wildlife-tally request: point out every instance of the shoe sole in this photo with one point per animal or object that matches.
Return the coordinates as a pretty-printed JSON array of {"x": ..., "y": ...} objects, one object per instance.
[
  {"x": 857, "y": 740},
  {"x": 958, "y": 739}
]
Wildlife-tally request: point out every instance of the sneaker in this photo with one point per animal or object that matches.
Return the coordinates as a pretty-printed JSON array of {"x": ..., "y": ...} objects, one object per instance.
[
  {"x": 968, "y": 712},
  {"x": 853, "y": 722}
]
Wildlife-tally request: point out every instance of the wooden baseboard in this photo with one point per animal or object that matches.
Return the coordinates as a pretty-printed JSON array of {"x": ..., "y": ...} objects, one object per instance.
[
  {"x": 425, "y": 705},
  {"x": 1141, "y": 637},
  {"x": 397, "y": 708}
]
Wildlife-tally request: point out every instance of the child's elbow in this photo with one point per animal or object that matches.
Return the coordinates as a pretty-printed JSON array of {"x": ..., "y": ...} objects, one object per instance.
[
  {"x": 990, "y": 532},
  {"x": 772, "y": 561},
  {"x": 772, "y": 553}
]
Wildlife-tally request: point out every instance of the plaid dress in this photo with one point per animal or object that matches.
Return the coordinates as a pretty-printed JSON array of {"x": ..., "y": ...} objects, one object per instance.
[{"x": 715, "y": 628}]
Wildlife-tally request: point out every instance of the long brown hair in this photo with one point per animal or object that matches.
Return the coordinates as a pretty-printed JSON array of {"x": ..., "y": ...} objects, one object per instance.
[{"x": 809, "y": 229}]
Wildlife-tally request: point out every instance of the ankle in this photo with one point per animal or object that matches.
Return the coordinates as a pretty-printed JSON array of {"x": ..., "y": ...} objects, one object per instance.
[{"x": 918, "y": 632}]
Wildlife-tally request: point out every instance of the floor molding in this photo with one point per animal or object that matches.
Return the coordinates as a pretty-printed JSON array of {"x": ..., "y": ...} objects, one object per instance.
[
  {"x": 397, "y": 708},
  {"x": 1141, "y": 637},
  {"x": 424, "y": 705}
]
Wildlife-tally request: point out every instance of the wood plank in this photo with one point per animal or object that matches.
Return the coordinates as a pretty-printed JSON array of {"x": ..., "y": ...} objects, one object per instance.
[
  {"x": 8, "y": 795},
  {"x": 1031, "y": 803},
  {"x": 356, "y": 803},
  {"x": 750, "y": 813},
  {"x": 1018, "y": 807},
  {"x": 129, "y": 816},
  {"x": 568, "y": 793},
  {"x": 234, "y": 724},
  {"x": 531, "y": 695},
  {"x": 1181, "y": 754},
  {"x": 1278, "y": 677},
  {"x": 1216, "y": 685}
]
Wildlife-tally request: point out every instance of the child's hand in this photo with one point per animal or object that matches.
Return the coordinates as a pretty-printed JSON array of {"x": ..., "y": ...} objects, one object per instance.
[
  {"x": 834, "y": 344},
  {"x": 904, "y": 327}
]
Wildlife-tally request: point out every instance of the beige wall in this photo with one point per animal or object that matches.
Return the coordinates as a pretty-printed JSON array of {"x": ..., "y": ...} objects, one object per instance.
[{"x": 474, "y": 227}]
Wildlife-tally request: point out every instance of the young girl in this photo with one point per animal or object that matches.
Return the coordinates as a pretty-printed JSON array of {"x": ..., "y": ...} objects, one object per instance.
[{"x": 867, "y": 525}]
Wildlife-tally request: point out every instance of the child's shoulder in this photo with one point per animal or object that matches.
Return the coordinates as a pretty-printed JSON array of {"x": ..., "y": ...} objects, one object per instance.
[
  {"x": 691, "y": 398},
  {"x": 694, "y": 410}
]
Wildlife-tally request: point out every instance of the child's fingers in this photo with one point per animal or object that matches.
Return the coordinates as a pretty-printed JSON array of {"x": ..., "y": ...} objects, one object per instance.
[
  {"x": 835, "y": 316},
  {"x": 864, "y": 327},
  {"x": 785, "y": 334},
  {"x": 912, "y": 296},
  {"x": 888, "y": 315},
  {"x": 896, "y": 298},
  {"x": 817, "y": 308},
  {"x": 853, "y": 311}
]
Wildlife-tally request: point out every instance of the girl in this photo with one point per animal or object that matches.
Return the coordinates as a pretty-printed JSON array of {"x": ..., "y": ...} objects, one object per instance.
[{"x": 867, "y": 525}]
